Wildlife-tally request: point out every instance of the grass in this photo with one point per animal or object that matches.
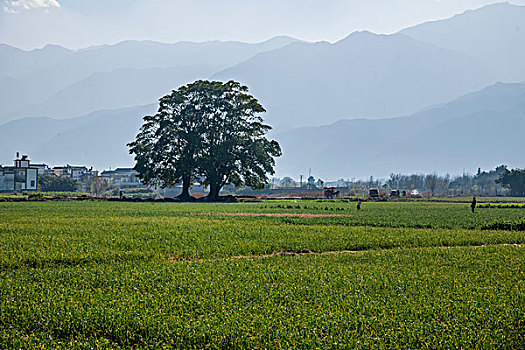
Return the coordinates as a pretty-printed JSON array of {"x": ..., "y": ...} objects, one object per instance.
[
  {"x": 479, "y": 199},
  {"x": 503, "y": 205},
  {"x": 150, "y": 275}
]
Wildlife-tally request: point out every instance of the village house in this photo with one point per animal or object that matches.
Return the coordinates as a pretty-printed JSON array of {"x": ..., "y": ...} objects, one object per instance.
[
  {"x": 43, "y": 169},
  {"x": 122, "y": 178},
  {"x": 74, "y": 172},
  {"x": 7, "y": 179},
  {"x": 20, "y": 177}
]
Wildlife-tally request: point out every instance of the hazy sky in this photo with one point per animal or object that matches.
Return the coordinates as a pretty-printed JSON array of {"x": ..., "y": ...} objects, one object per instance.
[{"x": 79, "y": 23}]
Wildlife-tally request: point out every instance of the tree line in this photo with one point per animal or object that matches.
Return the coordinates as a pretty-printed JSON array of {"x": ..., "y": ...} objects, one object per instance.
[{"x": 499, "y": 181}]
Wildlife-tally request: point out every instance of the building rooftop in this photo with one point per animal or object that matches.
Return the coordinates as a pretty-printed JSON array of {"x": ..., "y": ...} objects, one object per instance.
[
  {"x": 70, "y": 167},
  {"x": 124, "y": 169},
  {"x": 24, "y": 157},
  {"x": 118, "y": 170}
]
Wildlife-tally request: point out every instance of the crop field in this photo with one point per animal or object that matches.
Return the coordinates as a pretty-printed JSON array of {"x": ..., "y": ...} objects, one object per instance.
[
  {"x": 479, "y": 199},
  {"x": 503, "y": 205},
  {"x": 271, "y": 274}
]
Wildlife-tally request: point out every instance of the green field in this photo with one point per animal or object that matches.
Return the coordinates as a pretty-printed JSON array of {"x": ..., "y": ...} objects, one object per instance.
[
  {"x": 155, "y": 275},
  {"x": 479, "y": 199}
]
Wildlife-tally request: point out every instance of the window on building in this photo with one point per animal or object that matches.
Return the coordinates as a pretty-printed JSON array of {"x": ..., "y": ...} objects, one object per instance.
[{"x": 32, "y": 183}]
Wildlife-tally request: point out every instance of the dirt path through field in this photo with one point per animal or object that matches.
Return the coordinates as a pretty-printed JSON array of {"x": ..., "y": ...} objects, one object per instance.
[
  {"x": 336, "y": 252},
  {"x": 285, "y": 215}
]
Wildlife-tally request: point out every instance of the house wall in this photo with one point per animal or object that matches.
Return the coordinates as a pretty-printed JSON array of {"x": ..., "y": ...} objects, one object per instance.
[
  {"x": 20, "y": 179},
  {"x": 31, "y": 183},
  {"x": 7, "y": 182}
]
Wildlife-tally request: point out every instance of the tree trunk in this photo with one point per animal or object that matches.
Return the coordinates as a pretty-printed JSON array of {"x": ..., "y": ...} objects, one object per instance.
[
  {"x": 215, "y": 188},
  {"x": 186, "y": 184}
]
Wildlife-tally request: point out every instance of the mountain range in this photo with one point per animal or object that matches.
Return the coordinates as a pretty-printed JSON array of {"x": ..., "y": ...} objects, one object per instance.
[
  {"x": 424, "y": 99},
  {"x": 494, "y": 35},
  {"x": 98, "y": 139},
  {"x": 39, "y": 82},
  {"x": 481, "y": 129},
  {"x": 364, "y": 74}
]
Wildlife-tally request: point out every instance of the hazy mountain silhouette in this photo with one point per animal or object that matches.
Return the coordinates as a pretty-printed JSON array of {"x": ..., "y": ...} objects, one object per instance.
[
  {"x": 98, "y": 139},
  {"x": 45, "y": 72},
  {"x": 362, "y": 75},
  {"x": 480, "y": 129},
  {"x": 17, "y": 63},
  {"x": 484, "y": 129},
  {"x": 494, "y": 34},
  {"x": 125, "y": 87}
]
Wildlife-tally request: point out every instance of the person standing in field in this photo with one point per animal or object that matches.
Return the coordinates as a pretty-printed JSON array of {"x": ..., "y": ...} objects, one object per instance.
[
  {"x": 359, "y": 204},
  {"x": 473, "y": 204}
]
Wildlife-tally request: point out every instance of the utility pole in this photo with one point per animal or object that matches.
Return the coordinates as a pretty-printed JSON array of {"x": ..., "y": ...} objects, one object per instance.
[{"x": 301, "y": 181}]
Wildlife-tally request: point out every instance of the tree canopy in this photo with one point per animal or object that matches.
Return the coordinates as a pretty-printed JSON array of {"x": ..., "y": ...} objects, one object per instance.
[
  {"x": 515, "y": 180},
  {"x": 51, "y": 183},
  {"x": 210, "y": 131}
]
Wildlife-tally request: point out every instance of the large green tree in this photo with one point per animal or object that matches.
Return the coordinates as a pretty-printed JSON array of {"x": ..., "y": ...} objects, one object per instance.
[
  {"x": 169, "y": 143},
  {"x": 235, "y": 148},
  {"x": 515, "y": 180},
  {"x": 207, "y": 130}
]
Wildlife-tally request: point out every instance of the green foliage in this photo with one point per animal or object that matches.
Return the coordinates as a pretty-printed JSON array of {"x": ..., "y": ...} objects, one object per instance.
[
  {"x": 469, "y": 199},
  {"x": 509, "y": 225},
  {"x": 515, "y": 180},
  {"x": 50, "y": 183},
  {"x": 169, "y": 143},
  {"x": 53, "y": 194},
  {"x": 70, "y": 233},
  {"x": 206, "y": 129},
  {"x": 236, "y": 150},
  {"x": 76, "y": 275},
  {"x": 411, "y": 299},
  {"x": 36, "y": 195},
  {"x": 503, "y": 205}
]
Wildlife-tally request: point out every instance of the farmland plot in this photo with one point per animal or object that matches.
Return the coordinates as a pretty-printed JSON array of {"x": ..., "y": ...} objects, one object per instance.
[{"x": 121, "y": 275}]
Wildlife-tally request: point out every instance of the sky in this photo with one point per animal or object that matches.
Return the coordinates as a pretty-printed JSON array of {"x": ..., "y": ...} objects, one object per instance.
[{"x": 76, "y": 24}]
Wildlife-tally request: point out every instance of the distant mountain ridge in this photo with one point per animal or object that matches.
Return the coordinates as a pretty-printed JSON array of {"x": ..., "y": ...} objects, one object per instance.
[
  {"x": 480, "y": 129},
  {"x": 364, "y": 74},
  {"x": 494, "y": 35},
  {"x": 120, "y": 88},
  {"x": 441, "y": 76},
  {"x": 43, "y": 73},
  {"x": 98, "y": 139},
  {"x": 131, "y": 54}
]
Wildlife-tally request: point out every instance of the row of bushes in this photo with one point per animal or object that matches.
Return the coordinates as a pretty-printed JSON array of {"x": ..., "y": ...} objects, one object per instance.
[
  {"x": 503, "y": 205},
  {"x": 509, "y": 225}
]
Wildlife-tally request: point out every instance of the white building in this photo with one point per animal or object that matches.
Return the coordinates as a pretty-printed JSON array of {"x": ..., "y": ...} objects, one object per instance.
[
  {"x": 43, "y": 169},
  {"x": 7, "y": 179},
  {"x": 74, "y": 172},
  {"x": 122, "y": 177},
  {"x": 20, "y": 177}
]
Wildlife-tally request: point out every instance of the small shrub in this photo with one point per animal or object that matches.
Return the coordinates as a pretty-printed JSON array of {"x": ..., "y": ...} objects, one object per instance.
[{"x": 35, "y": 195}]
